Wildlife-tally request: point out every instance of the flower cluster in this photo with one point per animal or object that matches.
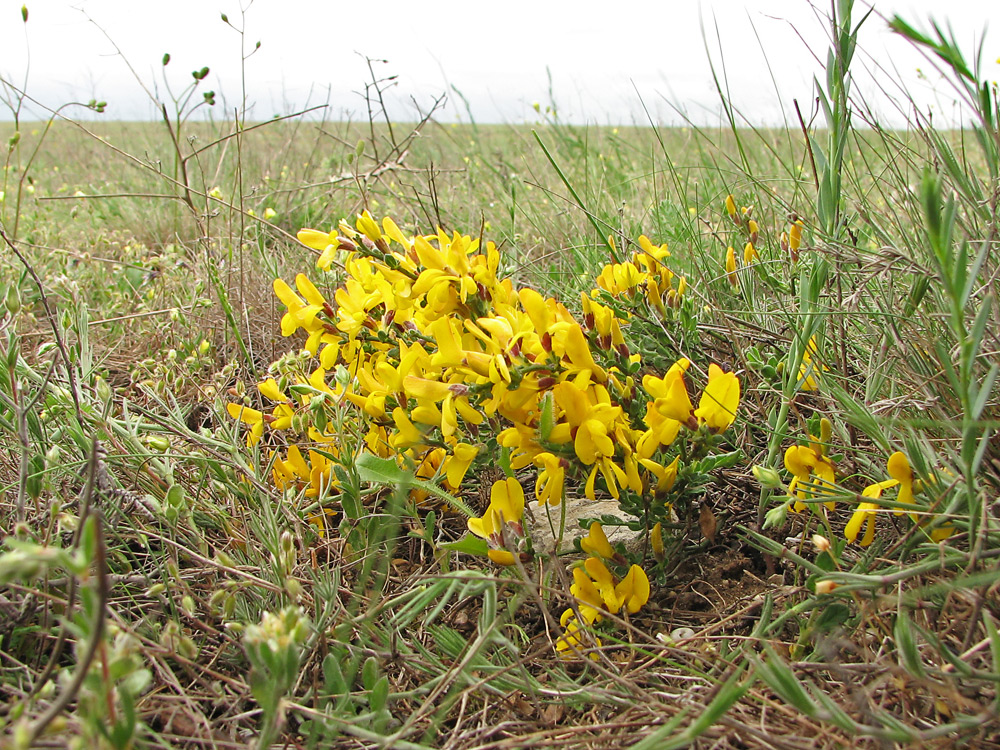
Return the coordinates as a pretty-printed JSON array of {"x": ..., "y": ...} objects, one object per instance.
[
  {"x": 790, "y": 241},
  {"x": 814, "y": 478},
  {"x": 813, "y": 472},
  {"x": 900, "y": 475},
  {"x": 646, "y": 273},
  {"x": 448, "y": 364},
  {"x": 749, "y": 231},
  {"x": 598, "y": 591}
]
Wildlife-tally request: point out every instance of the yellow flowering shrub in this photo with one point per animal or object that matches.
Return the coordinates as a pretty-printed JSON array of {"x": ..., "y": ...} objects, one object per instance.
[{"x": 445, "y": 364}]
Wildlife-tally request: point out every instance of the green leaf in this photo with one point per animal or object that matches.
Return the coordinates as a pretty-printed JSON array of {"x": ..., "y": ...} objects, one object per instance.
[
  {"x": 906, "y": 646},
  {"x": 369, "y": 673},
  {"x": 379, "y": 695},
  {"x": 985, "y": 391},
  {"x": 377, "y": 470},
  {"x": 505, "y": 462},
  {"x": 386, "y": 471},
  {"x": 175, "y": 496},
  {"x": 36, "y": 471},
  {"x": 832, "y": 616},
  {"x": 667, "y": 737},
  {"x": 470, "y": 544},
  {"x": 994, "y": 636},
  {"x": 825, "y": 561},
  {"x": 780, "y": 678},
  {"x": 764, "y": 619},
  {"x": 333, "y": 676},
  {"x": 720, "y": 461},
  {"x": 430, "y": 521}
]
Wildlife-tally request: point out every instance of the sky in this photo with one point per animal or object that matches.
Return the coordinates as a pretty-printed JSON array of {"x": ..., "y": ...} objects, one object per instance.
[{"x": 624, "y": 62}]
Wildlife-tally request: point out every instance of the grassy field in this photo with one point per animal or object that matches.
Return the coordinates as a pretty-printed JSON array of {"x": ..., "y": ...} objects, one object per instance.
[{"x": 820, "y": 561}]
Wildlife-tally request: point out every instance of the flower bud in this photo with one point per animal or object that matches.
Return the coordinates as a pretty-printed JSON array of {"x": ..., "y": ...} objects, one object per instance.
[
  {"x": 293, "y": 587},
  {"x": 821, "y": 543},
  {"x": 731, "y": 209},
  {"x": 12, "y": 301},
  {"x": 825, "y": 433},
  {"x": 731, "y": 267},
  {"x": 768, "y": 478},
  {"x": 825, "y": 586},
  {"x": 102, "y": 389},
  {"x": 775, "y": 518},
  {"x": 795, "y": 239},
  {"x": 656, "y": 542}
]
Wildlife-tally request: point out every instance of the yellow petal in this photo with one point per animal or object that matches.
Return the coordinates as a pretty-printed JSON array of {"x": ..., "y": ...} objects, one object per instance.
[
  {"x": 269, "y": 389},
  {"x": 245, "y": 414},
  {"x": 316, "y": 239},
  {"x": 596, "y": 542}
]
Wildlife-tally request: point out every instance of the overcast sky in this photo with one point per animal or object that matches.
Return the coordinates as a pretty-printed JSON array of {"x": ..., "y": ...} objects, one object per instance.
[{"x": 609, "y": 62}]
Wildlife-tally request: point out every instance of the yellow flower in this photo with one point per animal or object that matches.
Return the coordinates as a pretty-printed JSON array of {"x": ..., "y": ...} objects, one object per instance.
[
  {"x": 605, "y": 583},
  {"x": 656, "y": 541},
  {"x": 500, "y": 525},
  {"x": 269, "y": 389},
  {"x": 590, "y": 603},
  {"x": 251, "y": 417},
  {"x": 571, "y": 640},
  {"x": 795, "y": 235},
  {"x": 407, "y": 433},
  {"x": 577, "y": 350},
  {"x": 750, "y": 253},
  {"x": 665, "y": 475},
  {"x": 299, "y": 315},
  {"x": 613, "y": 476},
  {"x": 313, "y": 477},
  {"x": 721, "y": 396},
  {"x": 316, "y": 239},
  {"x": 657, "y": 252},
  {"x": 458, "y": 464},
  {"x": 809, "y": 467},
  {"x": 368, "y": 226},
  {"x": 671, "y": 399},
  {"x": 808, "y": 368},
  {"x": 899, "y": 469},
  {"x": 867, "y": 511},
  {"x": 394, "y": 233},
  {"x": 592, "y": 441},
  {"x": 596, "y": 542},
  {"x": 620, "y": 277},
  {"x": 551, "y": 479},
  {"x": 633, "y": 590},
  {"x": 590, "y": 414}
]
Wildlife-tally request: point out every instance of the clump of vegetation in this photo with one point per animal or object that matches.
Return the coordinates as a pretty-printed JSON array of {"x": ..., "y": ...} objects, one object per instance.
[{"x": 714, "y": 468}]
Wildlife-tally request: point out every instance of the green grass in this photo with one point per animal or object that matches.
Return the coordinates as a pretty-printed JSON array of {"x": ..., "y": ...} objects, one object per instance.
[{"x": 157, "y": 589}]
